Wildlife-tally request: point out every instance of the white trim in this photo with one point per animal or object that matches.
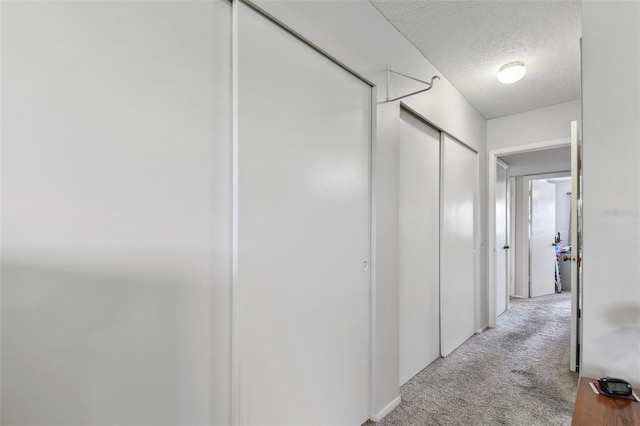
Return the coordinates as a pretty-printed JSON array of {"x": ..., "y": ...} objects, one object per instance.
[
  {"x": 235, "y": 354},
  {"x": 554, "y": 175},
  {"x": 491, "y": 225},
  {"x": 386, "y": 410},
  {"x": 482, "y": 329},
  {"x": 576, "y": 246},
  {"x": 372, "y": 248},
  {"x": 535, "y": 146},
  {"x": 440, "y": 236}
]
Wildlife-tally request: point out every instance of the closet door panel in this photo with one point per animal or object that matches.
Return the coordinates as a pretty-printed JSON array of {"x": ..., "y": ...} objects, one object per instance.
[
  {"x": 458, "y": 289},
  {"x": 304, "y": 138},
  {"x": 419, "y": 245}
]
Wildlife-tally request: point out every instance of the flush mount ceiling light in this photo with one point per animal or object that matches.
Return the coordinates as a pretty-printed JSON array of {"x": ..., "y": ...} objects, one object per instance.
[{"x": 511, "y": 72}]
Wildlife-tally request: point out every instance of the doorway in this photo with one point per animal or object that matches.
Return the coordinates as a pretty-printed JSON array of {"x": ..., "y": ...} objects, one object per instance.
[
  {"x": 528, "y": 160},
  {"x": 553, "y": 156}
]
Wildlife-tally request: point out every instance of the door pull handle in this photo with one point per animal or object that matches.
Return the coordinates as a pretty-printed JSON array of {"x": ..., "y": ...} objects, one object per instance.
[{"x": 506, "y": 247}]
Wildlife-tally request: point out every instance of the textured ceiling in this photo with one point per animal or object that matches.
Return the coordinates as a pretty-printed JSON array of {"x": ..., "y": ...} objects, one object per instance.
[{"x": 468, "y": 41}]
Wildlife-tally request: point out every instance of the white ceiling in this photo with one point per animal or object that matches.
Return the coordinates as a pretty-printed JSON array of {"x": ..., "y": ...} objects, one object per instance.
[{"x": 468, "y": 41}]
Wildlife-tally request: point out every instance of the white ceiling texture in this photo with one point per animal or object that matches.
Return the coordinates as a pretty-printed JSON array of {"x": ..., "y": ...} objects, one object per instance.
[{"x": 469, "y": 40}]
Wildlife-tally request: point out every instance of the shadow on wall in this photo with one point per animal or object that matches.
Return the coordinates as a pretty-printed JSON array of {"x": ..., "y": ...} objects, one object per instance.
[
  {"x": 78, "y": 347},
  {"x": 623, "y": 342}
]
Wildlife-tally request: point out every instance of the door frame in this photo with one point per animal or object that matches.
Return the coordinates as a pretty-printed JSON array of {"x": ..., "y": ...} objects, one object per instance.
[{"x": 491, "y": 216}]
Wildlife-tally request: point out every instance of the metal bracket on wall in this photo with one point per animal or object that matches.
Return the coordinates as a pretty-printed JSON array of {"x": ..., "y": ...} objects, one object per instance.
[{"x": 389, "y": 71}]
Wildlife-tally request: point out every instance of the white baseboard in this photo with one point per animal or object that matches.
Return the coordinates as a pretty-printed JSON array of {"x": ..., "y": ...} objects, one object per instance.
[
  {"x": 386, "y": 410},
  {"x": 483, "y": 329}
]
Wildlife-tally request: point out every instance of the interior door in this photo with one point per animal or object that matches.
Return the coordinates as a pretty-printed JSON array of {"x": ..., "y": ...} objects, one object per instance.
[
  {"x": 419, "y": 245},
  {"x": 457, "y": 244},
  {"x": 511, "y": 234},
  {"x": 502, "y": 243},
  {"x": 542, "y": 224},
  {"x": 302, "y": 283},
  {"x": 576, "y": 247}
]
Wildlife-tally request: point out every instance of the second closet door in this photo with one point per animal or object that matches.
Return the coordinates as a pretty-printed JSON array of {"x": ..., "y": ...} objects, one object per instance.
[
  {"x": 419, "y": 245},
  {"x": 458, "y": 289}
]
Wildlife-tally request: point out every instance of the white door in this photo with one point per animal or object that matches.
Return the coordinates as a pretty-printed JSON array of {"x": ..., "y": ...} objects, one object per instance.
[
  {"x": 302, "y": 284},
  {"x": 511, "y": 235},
  {"x": 576, "y": 247},
  {"x": 419, "y": 245},
  {"x": 457, "y": 245},
  {"x": 542, "y": 224},
  {"x": 502, "y": 244}
]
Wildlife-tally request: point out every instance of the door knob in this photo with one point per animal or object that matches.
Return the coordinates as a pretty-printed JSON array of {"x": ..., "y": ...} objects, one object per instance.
[{"x": 506, "y": 247}]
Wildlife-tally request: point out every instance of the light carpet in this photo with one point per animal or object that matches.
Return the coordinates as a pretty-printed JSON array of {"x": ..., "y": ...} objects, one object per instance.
[{"x": 514, "y": 374}]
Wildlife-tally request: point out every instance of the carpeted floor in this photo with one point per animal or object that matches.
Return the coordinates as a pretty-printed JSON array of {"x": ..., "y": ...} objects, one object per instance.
[{"x": 515, "y": 374}]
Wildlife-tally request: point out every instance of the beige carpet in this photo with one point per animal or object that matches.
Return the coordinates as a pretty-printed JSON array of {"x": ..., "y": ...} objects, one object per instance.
[{"x": 515, "y": 374}]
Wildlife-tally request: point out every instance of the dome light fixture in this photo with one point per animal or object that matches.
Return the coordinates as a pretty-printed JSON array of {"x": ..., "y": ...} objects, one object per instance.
[{"x": 511, "y": 72}]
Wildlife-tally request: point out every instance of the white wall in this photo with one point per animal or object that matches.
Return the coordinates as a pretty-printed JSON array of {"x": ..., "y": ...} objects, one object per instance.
[
  {"x": 611, "y": 192},
  {"x": 368, "y": 48},
  {"x": 118, "y": 267},
  {"x": 539, "y": 125},
  {"x": 116, "y": 177}
]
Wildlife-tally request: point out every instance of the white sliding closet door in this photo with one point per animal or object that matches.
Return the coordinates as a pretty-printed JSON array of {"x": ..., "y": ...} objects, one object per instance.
[
  {"x": 457, "y": 257},
  {"x": 419, "y": 245},
  {"x": 302, "y": 290}
]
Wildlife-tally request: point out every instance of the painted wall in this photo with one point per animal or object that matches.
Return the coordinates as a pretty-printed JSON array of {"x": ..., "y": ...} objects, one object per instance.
[
  {"x": 118, "y": 102},
  {"x": 611, "y": 152},
  {"x": 368, "y": 48},
  {"x": 116, "y": 179},
  {"x": 544, "y": 124}
]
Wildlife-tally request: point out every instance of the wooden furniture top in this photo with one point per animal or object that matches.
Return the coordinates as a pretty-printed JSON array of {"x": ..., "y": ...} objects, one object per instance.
[{"x": 592, "y": 409}]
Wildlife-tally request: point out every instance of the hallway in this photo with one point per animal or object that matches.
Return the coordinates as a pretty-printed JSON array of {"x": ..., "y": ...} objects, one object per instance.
[{"x": 515, "y": 374}]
